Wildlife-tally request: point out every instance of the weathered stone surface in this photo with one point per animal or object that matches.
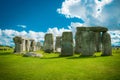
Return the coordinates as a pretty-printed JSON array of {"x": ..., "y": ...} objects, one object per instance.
[
  {"x": 18, "y": 44},
  {"x": 58, "y": 44},
  {"x": 97, "y": 41},
  {"x": 106, "y": 44},
  {"x": 38, "y": 46},
  {"x": 32, "y": 54},
  {"x": 32, "y": 45},
  {"x": 48, "y": 43},
  {"x": 87, "y": 43},
  {"x": 67, "y": 44},
  {"x": 27, "y": 45},
  {"x": 95, "y": 29},
  {"x": 78, "y": 41}
]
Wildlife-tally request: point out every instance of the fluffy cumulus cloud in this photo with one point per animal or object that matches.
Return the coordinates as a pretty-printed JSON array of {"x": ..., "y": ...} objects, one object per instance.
[
  {"x": 93, "y": 12},
  {"x": 6, "y": 36}
]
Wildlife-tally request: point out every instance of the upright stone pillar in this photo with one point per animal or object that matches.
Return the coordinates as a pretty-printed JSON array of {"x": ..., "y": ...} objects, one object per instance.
[
  {"x": 23, "y": 45},
  {"x": 27, "y": 45},
  {"x": 106, "y": 44},
  {"x": 38, "y": 46},
  {"x": 32, "y": 45},
  {"x": 48, "y": 43},
  {"x": 18, "y": 44},
  {"x": 97, "y": 41},
  {"x": 67, "y": 44},
  {"x": 78, "y": 41},
  {"x": 58, "y": 44},
  {"x": 87, "y": 43}
]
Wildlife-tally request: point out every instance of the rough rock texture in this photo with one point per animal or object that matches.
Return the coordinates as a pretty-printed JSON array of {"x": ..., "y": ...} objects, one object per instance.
[
  {"x": 38, "y": 46},
  {"x": 78, "y": 42},
  {"x": 97, "y": 41},
  {"x": 18, "y": 44},
  {"x": 87, "y": 43},
  {"x": 95, "y": 29},
  {"x": 27, "y": 45},
  {"x": 67, "y": 44},
  {"x": 31, "y": 54},
  {"x": 58, "y": 44},
  {"x": 106, "y": 44},
  {"x": 32, "y": 45},
  {"x": 48, "y": 43}
]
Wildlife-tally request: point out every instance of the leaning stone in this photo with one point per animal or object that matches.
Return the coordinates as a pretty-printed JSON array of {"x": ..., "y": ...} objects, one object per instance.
[
  {"x": 87, "y": 43},
  {"x": 67, "y": 44},
  {"x": 106, "y": 44},
  {"x": 48, "y": 43}
]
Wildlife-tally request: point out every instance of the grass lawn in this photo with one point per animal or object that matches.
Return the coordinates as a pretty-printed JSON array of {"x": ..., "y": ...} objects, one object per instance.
[{"x": 52, "y": 67}]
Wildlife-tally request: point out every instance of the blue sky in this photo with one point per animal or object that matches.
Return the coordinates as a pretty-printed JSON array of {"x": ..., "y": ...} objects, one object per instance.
[{"x": 35, "y": 18}]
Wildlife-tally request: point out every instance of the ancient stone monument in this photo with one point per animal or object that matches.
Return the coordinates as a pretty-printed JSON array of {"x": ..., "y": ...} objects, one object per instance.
[
  {"x": 67, "y": 44},
  {"x": 88, "y": 40},
  {"x": 27, "y": 45},
  {"x": 38, "y": 46},
  {"x": 18, "y": 44},
  {"x": 48, "y": 43},
  {"x": 58, "y": 44},
  {"x": 32, "y": 45},
  {"x": 106, "y": 44}
]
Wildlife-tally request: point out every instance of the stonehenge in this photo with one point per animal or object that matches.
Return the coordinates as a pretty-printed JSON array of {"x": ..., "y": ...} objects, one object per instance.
[
  {"x": 48, "y": 43},
  {"x": 88, "y": 40},
  {"x": 67, "y": 44},
  {"x": 25, "y": 45}
]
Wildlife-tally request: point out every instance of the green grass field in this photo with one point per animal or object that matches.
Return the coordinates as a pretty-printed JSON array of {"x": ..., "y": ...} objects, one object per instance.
[{"x": 53, "y": 67}]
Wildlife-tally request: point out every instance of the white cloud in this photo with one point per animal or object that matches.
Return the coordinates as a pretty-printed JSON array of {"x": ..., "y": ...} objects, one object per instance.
[
  {"x": 6, "y": 36},
  {"x": 93, "y": 12},
  {"x": 22, "y": 26}
]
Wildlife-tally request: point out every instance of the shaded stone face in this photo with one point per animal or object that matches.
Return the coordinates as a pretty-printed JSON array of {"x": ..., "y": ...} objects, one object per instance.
[
  {"x": 18, "y": 44},
  {"x": 106, "y": 44},
  {"x": 48, "y": 43},
  {"x": 87, "y": 43},
  {"x": 78, "y": 41},
  {"x": 27, "y": 44},
  {"x": 97, "y": 41},
  {"x": 58, "y": 44},
  {"x": 32, "y": 45},
  {"x": 38, "y": 46},
  {"x": 67, "y": 44}
]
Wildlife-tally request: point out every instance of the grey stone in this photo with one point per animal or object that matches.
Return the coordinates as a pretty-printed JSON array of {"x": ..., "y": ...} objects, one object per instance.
[
  {"x": 67, "y": 44},
  {"x": 97, "y": 41},
  {"x": 106, "y": 44},
  {"x": 32, "y": 54},
  {"x": 87, "y": 43},
  {"x": 38, "y": 46},
  {"x": 27, "y": 45},
  {"x": 48, "y": 43},
  {"x": 58, "y": 44},
  {"x": 18, "y": 44},
  {"x": 32, "y": 45},
  {"x": 78, "y": 41}
]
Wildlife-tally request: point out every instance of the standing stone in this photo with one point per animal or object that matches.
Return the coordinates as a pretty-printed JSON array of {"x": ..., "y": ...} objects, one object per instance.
[
  {"x": 32, "y": 45},
  {"x": 58, "y": 44},
  {"x": 23, "y": 45},
  {"x": 18, "y": 44},
  {"x": 78, "y": 41},
  {"x": 97, "y": 41},
  {"x": 27, "y": 44},
  {"x": 87, "y": 43},
  {"x": 106, "y": 44},
  {"x": 67, "y": 44},
  {"x": 48, "y": 43},
  {"x": 38, "y": 46}
]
